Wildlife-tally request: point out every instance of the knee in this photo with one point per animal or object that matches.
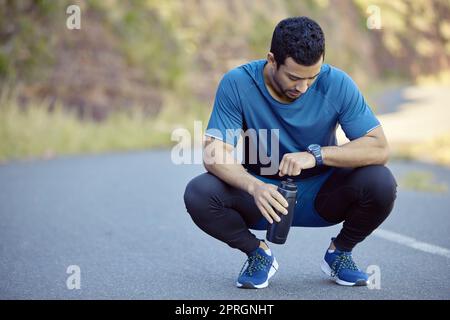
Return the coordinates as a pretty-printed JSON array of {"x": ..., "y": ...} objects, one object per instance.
[
  {"x": 380, "y": 185},
  {"x": 192, "y": 193},
  {"x": 198, "y": 193}
]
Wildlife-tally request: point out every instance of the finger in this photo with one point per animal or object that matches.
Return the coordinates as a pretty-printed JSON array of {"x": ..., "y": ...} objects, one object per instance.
[
  {"x": 281, "y": 166},
  {"x": 285, "y": 168},
  {"x": 291, "y": 168},
  {"x": 277, "y": 206},
  {"x": 264, "y": 213},
  {"x": 279, "y": 197},
  {"x": 297, "y": 169},
  {"x": 270, "y": 211}
]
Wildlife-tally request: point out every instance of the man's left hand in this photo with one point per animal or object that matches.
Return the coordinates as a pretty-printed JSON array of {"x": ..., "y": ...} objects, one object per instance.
[{"x": 292, "y": 164}]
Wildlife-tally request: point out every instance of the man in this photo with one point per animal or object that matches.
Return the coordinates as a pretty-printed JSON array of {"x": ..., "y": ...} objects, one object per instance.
[{"x": 294, "y": 92}]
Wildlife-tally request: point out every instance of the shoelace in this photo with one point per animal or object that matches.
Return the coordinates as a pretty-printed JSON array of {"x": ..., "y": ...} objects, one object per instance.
[
  {"x": 255, "y": 263},
  {"x": 343, "y": 261}
]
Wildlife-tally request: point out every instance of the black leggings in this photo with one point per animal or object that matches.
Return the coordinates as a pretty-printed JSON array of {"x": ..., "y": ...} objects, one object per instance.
[{"x": 362, "y": 198}]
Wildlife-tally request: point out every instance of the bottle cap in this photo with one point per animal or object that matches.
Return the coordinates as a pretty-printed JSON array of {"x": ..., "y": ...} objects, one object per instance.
[{"x": 289, "y": 184}]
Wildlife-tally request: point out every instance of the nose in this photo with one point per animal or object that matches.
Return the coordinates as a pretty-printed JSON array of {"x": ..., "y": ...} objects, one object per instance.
[{"x": 302, "y": 87}]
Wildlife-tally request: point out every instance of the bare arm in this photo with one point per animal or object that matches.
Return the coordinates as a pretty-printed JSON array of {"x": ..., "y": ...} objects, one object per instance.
[
  {"x": 367, "y": 150},
  {"x": 218, "y": 159}
]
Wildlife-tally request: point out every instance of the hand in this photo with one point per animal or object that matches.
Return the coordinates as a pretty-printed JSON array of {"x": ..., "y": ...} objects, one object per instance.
[
  {"x": 293, "y": 163},
  {"x": 267, "y": 198}
]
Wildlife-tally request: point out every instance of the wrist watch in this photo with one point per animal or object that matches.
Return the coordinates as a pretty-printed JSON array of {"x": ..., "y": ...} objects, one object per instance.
[{"x": 316, "y": 151}]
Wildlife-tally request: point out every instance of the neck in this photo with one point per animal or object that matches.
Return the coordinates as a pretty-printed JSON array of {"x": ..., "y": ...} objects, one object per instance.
[{"x": 272, "y": 87}]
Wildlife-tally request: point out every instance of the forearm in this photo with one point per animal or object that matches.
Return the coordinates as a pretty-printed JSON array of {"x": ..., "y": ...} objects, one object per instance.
[
  {"x": 218, "y": 159},
  {"x": 357, "y": 153},
  {"x": 235, "y": 175}
]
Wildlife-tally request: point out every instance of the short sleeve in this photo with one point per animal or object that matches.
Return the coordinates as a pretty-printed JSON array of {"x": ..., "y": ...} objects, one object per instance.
[
  {"x": 226, "y": 122},
  {"x": 355, "y": 116}
]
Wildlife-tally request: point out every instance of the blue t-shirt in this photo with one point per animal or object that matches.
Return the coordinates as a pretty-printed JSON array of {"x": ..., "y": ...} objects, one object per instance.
[{"x": 243, "y": 102}]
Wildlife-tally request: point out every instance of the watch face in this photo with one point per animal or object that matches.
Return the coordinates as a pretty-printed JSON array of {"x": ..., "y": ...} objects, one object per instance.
[{"x": 314, "y": 147}]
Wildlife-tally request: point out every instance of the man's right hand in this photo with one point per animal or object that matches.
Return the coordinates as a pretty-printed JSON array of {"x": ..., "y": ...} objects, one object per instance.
[
  {"x": 267, "y": 198},
  {"x": 218, "y": 160}
]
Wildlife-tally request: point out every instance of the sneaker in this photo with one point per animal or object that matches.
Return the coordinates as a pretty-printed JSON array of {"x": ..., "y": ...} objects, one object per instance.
[
  {"x": 261, "y": 266},
  {"x": 341, "y": 267}
]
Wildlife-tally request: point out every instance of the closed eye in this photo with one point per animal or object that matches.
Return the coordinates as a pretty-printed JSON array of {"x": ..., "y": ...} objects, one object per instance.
[
  {"x": 297, "y": 79},
  {"x": 293, "y": 78}
]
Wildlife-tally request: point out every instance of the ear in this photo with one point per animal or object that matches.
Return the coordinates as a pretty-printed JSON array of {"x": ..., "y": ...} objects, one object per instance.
[{"x": 271, "y": 60}]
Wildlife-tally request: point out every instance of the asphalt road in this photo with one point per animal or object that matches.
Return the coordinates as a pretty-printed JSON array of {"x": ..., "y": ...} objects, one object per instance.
[{"x": 121, "y": 219}]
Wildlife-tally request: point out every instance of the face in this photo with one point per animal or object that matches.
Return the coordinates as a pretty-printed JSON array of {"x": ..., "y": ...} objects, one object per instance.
[{"x": 291, "y": 79}]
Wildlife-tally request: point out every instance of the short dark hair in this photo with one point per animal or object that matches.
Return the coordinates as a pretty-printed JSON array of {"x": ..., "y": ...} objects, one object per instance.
[{"x": 300, "y": 38}]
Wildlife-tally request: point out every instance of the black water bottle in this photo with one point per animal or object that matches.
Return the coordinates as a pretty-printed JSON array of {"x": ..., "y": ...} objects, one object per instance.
[{"x": 277, "y": 231}]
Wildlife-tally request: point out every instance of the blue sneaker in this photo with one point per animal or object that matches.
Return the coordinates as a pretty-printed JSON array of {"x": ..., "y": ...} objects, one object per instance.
[
  {"x": 340, "y": 266},
  {"x": 261, "y": 266}
]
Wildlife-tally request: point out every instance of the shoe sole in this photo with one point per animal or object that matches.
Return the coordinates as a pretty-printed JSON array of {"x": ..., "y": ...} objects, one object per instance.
[
  {"x": 327, "y": 270},
  {"x": 249, "y": 285}
]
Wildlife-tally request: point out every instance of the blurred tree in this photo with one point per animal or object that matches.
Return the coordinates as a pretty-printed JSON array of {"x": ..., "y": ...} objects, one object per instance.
[
  {"x": 149, "y": 53},
  {"x": 26, "y": 39},
  {"x": 414, "y": 38}
]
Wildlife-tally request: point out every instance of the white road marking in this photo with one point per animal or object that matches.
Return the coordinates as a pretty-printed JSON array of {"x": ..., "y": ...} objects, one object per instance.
[{"x": 412, "y": 243}]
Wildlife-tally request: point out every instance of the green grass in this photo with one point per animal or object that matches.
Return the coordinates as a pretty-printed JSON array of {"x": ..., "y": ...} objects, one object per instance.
[
  {"x": 36, "y": 133},
  {"x": 423, "y": 181},
  {"x": 436, "y": 150}
]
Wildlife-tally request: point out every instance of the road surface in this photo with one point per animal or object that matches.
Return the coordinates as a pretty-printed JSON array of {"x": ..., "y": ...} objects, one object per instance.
[{"x": 121, "y": 219}]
